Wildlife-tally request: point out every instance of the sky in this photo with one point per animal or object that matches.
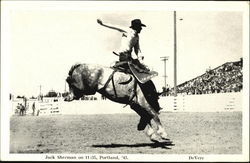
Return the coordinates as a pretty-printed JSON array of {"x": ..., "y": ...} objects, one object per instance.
[{"x": 46, "y": 43}]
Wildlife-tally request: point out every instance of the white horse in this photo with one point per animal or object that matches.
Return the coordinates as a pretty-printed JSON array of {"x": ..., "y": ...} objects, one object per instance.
[{"x": 86, "y": 79}]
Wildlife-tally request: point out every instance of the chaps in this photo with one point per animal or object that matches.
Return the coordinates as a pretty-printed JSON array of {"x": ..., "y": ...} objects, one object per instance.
[{"x": 151, "y": 95}]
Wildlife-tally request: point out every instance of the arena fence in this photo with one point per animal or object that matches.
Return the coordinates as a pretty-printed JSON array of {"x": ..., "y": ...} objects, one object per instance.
[
  {"x": 188, "y": 103},
  {"x": 50, "y": 108},
  {"x": 203, "y": 103},
  {"x": 46, "y": 107}
]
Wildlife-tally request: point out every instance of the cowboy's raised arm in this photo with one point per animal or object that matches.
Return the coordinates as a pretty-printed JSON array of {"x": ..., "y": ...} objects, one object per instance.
[{"x": 110, "y": 26}]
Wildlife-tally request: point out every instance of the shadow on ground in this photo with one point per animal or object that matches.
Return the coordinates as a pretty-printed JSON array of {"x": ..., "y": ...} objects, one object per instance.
[{"x": 164, "y": 145}]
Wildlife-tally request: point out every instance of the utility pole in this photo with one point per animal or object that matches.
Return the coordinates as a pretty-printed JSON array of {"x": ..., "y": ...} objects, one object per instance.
[
  {"x": 40, "y": 86},
  {"x": 164, "y": 59},
  {"x": 65, "y": 87},
  {"x": 175, "y": 58}
]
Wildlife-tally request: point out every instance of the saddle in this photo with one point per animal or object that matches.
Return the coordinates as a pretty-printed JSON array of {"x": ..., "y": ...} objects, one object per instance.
[
  {"x": 141, "y": 75},
  {"x": 142, "y": 79},
  {"x": 134, "y": 67}
]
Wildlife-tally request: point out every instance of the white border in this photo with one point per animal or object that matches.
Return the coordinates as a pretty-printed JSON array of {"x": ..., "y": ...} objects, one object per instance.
[{"x": 8, "y": 6}]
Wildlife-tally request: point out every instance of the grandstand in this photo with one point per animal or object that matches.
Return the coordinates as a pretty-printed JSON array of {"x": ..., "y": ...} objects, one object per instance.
[{"x": 222, "y": 79}]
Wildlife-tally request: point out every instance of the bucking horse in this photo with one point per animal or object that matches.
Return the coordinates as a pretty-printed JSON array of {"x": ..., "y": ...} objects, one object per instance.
[{"x": 121, "y": 87}]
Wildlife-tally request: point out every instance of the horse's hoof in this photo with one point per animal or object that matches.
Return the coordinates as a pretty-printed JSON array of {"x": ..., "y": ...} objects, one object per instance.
[
  {"x": 166, "y": 139},
  {"x": 154, "y": 138},
  {"x": 163, "y": 135},
  {"x": 141, "y": 127}
]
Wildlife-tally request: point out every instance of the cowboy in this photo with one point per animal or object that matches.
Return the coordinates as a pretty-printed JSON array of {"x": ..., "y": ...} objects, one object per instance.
[{"x": 130, "y": 42}]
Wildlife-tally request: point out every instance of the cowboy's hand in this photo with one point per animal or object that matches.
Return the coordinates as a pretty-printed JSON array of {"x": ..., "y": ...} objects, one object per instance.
[
  {"x": 99, "y": 21},
  {"x": 141, "y": 57}
]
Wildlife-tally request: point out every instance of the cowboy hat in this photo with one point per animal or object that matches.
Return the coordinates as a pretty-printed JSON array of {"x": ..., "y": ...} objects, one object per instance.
[{"x": 137, "y": 22}]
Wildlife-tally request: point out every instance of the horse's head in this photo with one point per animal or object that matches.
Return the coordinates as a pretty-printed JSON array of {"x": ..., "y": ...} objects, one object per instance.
[
  {"x": 82, "y": 80},
  {"x": 74, "y": 92}
]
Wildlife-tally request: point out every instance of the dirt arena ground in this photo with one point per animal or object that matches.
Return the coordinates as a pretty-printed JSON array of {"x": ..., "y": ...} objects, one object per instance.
[{"x": 191, "y": 133}]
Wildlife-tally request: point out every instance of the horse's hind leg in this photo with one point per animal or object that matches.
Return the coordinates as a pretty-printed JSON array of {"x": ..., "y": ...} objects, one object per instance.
[
  {"x": 150, "y": 101},
  {"x": 160, "y": 129},
  {"x": 150, "y": 132},
  {"x": 145, "y": 117}
]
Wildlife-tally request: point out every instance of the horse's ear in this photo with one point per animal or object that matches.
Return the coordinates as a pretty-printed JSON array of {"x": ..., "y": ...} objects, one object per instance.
[{"x": 73, "y": 68}]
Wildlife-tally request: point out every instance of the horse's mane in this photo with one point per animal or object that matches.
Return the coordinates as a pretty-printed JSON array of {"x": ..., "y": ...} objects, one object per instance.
[{"x": 73, "y": 67}]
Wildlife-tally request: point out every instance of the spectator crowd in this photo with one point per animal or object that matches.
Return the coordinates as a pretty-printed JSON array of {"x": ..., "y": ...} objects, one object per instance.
[{"x": 225, "y": 78}]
